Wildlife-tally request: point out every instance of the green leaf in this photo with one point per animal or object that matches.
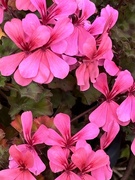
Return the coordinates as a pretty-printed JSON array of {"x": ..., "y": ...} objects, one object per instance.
[
  {"x": 40, "y": 106},
  {"x": 66, "y": 84},
  {"x": 2, "y": 81},
  {"x": 89, "y": 96}
]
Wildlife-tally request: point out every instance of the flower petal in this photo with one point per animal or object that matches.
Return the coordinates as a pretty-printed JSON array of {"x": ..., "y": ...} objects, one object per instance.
[
  {"x": 8, "y": 64},
  {"x": 58, "y": 66},
  {"x": 27, "y": 119},
  {"x": 32, "y": 63}
]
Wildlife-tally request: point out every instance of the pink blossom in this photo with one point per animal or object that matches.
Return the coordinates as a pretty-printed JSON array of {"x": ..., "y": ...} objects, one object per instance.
[
  {"x": 89, "y": 161},
  {"x": 58, "y": 161},
  {"x": 42, "y": 49},
  {"x": 21, "y": 171},
  {"x": 88, "y": 69},
  {"x": 31, "y": 140},
  {"x": 105, "y": 115},
  {"x": 28, "y": 35},
  {"x": 64, "y": 138},
  {"x": 76, "y": 40}
]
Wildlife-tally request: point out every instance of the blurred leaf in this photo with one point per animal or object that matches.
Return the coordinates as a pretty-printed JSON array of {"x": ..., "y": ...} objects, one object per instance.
[
  {"x": 7, "y": 47},
  {"x": 32, "y": 91},
  {"x": 125, "y": 153},
  {"x": 3, "y": 157},
  {"x": 40, "y": 106},
  {"x": 89, "y": 96},
  {"x": 66, "y": 84},
  {"x": 2, "y": 81}
]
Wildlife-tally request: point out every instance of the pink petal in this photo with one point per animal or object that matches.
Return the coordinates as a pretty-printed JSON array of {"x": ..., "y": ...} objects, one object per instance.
[
  {"x": 26, "y": 175},
  {"x": 90, "y": 131},
  {"x": 133, "y": 147},
  {"x": 101, "y": 84},
  {"x": 40, "y": 5},
  {"x": 54, "y": 139},
  {"x": 111, "y": 16},
  {"x": 62, "y": 10},
  {"x": 62, "y": 122},
  {"x": 58, "y": 157},
  {"x": 30, "y": 23},
  {"x": 110, "y": 114},
  {"x": 80, "y": 74},
  {"x": 15, "y": 31},
  {"x": 104, "y": 173},
  {"x": 132, "y": 110},
  {"x": 38, "y": 166},
  {"x": 8, "y": 64},
  {"x": 32, "y": 63},
  {"x": 10, "y": 174},
  {"x": 97, "y": 26},
  {"x": 85, "y": 145},
  {"x": 108, "y": 137},
  {"x": 27, "y": 119},
  {"x": 20, "y": 80},
  {"x": 24, "y": 5},
  {"x": 1, "y": 15},
  {"x": 72, "y": 43},
  {"x": 59, "y": 47},
  {"x": 83, "y": 39},
  {"x": 40, "y": 37},
  {"x": 93, "y": 71},
  {"x": 111, "y": 67},
  {"x": 44, "y": 75},
  {"x": 99, "y": 159},
  {"x": 61, "y": 30},
  {"x": 88, "y": 8},
  {"x": 40, "y": 135},
  {"x": 58, "y": 66},
  {"x": 80, "y": 158},
  {"x": 123, "y": 81},
  {"x": 89, "y": 47},
  {"x": 105, "y": 46},
  {"x": 98, "y": 116},
  {"x": 124, "y": 110}
]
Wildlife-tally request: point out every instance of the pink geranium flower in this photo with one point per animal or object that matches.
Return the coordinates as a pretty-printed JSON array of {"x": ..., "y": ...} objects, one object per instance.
[
  {"x": 28, "y": 35},
  {"x": 64, "y": 138},
  {"x": 41, "y": 50},
  {"x": 31, "y": 140},
  {"x": 58, "y": 161},
  {"x": 90, "y": 162},
  {"x": 105, "y": 115},
  {"x": 21, "y": 170},
  {"x": 85, "y": 9},
  {"x": 88, "y": 69}
]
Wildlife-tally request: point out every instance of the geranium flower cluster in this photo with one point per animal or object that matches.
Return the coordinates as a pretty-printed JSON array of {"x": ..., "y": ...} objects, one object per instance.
[
  {"x": 66, "y": 36},
  {"x": 70, "y": 155},
  {"x": 61, "y": 36}
]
